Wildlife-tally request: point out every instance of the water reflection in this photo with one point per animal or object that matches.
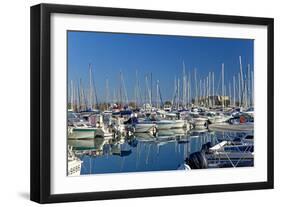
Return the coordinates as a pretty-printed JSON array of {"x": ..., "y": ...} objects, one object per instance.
[{"x": 169, "y": 150}]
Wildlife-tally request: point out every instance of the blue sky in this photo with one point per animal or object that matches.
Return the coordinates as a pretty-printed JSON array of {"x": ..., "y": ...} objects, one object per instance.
[{"x": 161, "y": 55}]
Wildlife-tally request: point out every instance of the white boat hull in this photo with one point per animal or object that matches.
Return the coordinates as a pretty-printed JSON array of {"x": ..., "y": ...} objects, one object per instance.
[
  {"x": 199, "y": 122},
  {"x": 231, "y": 127}
]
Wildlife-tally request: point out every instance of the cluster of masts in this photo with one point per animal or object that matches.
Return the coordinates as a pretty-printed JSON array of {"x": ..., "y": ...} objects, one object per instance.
[{"x": 188, "y": 91}]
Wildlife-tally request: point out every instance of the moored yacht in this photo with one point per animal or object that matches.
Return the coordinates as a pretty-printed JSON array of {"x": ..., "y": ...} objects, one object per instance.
[
  {"x": 134, "y": 125},
  {"x": 214, "y": 117},
  {"x": 197, "y": 121},
  {"x": 81, "y": 131}
]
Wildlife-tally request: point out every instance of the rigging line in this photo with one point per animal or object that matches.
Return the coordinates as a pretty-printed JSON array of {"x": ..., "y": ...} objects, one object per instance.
[
  {"x": 218, "y": 84},
  {"x": 161, "y": 100},
  {"x": 125, "y": 91},
  {"x": 244, "y": 155},
  {"x": 96, "y": 97}
]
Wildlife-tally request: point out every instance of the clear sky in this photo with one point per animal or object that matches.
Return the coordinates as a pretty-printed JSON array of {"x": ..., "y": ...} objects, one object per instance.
[{"x": 161, "y": 55}]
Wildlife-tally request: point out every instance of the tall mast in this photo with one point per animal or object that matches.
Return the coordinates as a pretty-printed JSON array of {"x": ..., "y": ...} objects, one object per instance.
[
  {"x": 241, "y": 79},
  {"x": 139, "y": 92},
  {"x": 200, "y": 92},
  {"x": 195, "y": 82},
  {"x": 207, "y": 89},
  {"x": 114, "y": 96},
  {"x": 92, "y": 99},
  {"x": 204, "y": 91},
  {"x": 234, "y": 95},
  {"x": 136, "y": 90},
  {"x": 120, "y": 90},
  {"x": 150, "y": 89},
  {"x": 68, "y": 95},
  {"x": 213, "y": 74},
  {"x": 95, "y": 94},
  {"x": 222, "y": 83},
  {"x": 229, "y": 92},
  {"x": 124, "y": 89},
  {"x": 239, "y": 90},
  {"x": 253, "y": 89},
  {"x": 77, "y": 98},
  {"x": 74, "y": 97},
  {"x": 90, "y": 88},
  {"x": 106, "y": 93},
  {"x": 178, "y": 96},
  {"x": 71, "y": 95},
  {"x": 175, "y": 93},
  {"x": 81, "y": 95},
  {"x": 249, "y": 85},
  {"x": 225, "y": 95},
  {"x": 183, "y": 86},
  {"x": 157, "y": 94},
  {"x": 245, "y": 92},
  {"x": 189, "y": 88}
]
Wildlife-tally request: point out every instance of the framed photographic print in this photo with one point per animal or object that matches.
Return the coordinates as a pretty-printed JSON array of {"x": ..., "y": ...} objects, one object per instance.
[{"x": 132, "y": 103}]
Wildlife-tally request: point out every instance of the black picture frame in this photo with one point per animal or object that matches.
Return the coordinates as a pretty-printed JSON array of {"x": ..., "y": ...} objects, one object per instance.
[{"x": 41, "y": 98}]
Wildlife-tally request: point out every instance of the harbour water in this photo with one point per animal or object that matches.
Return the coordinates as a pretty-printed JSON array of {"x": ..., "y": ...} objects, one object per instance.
[
  {"x": 141, "y": 152},
  {"x": 159, "y": 114}
]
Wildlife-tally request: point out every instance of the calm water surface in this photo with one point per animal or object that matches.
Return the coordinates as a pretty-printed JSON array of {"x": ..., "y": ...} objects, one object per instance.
[{"x": 143, "y": 152}]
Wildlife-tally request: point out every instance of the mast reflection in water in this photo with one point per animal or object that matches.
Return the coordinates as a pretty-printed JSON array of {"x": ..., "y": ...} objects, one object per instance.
[{"x": 169, "y": 150}]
